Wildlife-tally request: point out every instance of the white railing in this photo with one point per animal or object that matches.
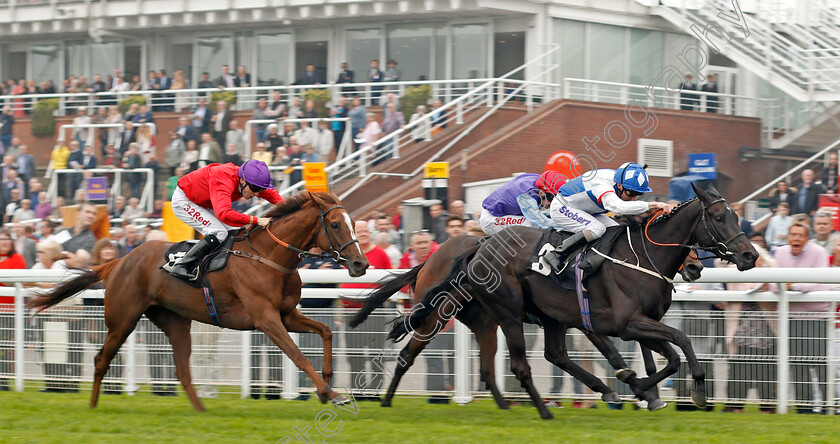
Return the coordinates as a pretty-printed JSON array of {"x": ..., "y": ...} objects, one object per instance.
[
  {"x": 147, "y": 198},
  {"x": 222, "y": 359},
  {"x": 179, "y": 100},
  {"x": 777, "y": 116}
]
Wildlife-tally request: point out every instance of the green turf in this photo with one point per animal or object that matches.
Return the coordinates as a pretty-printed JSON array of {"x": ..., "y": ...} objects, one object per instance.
[{"x": 33, "y": 417}]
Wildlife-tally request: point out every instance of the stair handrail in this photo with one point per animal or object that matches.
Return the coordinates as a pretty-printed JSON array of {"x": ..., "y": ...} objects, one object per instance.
[{"x": 787, "y": 173}]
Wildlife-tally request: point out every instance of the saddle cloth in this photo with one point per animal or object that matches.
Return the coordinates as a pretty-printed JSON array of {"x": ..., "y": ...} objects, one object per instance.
[
  {"x": 216, "y": 260},
  {"x": 588, "y": 261}
]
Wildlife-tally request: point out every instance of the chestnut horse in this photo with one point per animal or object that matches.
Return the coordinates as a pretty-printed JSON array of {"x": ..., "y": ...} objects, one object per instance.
[{"x": 258, "y": 289}]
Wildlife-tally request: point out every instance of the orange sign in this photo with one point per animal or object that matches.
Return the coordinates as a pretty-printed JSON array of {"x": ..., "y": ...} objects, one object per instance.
[
  {"x": 561, "y": 161},
  {"x": 315, "y": 176}
]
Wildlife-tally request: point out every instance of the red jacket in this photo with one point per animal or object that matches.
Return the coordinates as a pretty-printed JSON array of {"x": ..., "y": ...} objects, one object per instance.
[
  {"x": 13, "y": 262},
  {"x": 215, "y": 187},
  {"x": 377, "y": 258}
]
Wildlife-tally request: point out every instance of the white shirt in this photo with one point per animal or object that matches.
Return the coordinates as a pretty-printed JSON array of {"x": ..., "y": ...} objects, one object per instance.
[
  {"x": 594, "y": 192},
  {"x": 219, "y": 119}
]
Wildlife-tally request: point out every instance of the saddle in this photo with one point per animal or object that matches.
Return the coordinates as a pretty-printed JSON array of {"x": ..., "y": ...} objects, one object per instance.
[
  {"x": 584, "y": 257},
  {"x": 216, "y": 260}
]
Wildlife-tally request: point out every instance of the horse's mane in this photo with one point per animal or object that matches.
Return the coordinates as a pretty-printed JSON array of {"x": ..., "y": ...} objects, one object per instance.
[
  {"x": 294, "y": 203},
  {"x": 673, "y": 212}
]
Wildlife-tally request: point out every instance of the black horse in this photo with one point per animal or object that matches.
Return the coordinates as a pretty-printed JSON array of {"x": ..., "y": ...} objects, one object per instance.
[
  {"x": 629, "y": 295},
  {"x": 427, "y": 276}
]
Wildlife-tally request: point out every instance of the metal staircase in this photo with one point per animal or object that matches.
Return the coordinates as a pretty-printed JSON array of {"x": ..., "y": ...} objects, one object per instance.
[{"x": 807, "y": 72}]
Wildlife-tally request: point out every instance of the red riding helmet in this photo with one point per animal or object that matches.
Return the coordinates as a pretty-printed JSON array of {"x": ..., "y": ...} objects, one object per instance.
[{"x": 551, "y": 181}]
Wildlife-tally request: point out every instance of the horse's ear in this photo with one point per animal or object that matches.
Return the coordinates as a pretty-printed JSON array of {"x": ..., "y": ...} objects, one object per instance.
[
  {"x": 700, "y": 193},
  {"x": 313, "y": 198},
  {"x": 713, "y": 191}
]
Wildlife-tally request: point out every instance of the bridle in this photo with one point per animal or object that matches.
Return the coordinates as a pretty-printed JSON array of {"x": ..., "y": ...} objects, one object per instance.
[
  {"x": 720, "y": 248},
  {"x": 334, "y": 253}
]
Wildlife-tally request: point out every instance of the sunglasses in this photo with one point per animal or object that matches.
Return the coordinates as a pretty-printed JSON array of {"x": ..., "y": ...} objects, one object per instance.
[
  {"x": 255, "y": 188},
  {"x": 631, "y": 193}
]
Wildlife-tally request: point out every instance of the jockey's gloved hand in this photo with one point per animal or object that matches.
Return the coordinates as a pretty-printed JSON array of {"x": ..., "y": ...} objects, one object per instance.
[
  {"x": 263, "y": 221},
  {"x": 665, "y": 207}
]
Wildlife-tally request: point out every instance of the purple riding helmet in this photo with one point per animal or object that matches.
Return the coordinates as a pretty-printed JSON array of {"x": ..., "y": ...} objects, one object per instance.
[{"x": 255, "y": 172}]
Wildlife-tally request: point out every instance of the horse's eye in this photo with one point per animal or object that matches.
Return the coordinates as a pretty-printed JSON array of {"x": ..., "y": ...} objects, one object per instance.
[
  {"x": 334, "y": 225},
  {"x": 719, "y": 218}
]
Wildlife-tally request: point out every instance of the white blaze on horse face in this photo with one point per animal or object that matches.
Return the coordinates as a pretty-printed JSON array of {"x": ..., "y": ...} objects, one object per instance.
[{"x": 352, "y": 232}]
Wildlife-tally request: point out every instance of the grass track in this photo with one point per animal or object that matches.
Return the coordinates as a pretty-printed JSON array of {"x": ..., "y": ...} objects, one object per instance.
[{"x": 33, "y": 417}]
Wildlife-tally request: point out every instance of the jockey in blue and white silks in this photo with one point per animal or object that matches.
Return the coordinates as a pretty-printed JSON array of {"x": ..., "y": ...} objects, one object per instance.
[
  {"x": 580, "y": 204},
  {"x": 521, "y": 202}
]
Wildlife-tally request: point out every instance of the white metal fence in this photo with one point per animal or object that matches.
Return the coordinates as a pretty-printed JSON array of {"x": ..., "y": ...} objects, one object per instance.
[{"x": 772, "y": 356}]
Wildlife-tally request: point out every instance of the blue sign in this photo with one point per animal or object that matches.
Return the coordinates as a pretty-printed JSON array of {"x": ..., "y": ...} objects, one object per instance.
[
  {"x": 703, "y": 164},
  {"x": 96, "y": 188}
]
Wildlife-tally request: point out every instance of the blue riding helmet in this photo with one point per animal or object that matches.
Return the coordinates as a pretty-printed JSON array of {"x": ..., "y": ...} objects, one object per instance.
[{"x": 633, "y": 177}]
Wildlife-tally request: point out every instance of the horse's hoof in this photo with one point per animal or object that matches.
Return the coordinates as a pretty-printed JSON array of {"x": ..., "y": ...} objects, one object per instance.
[
  {"x": 625, "y": 374},
  {"x": 339, "y": 400},
  {"x": 699, "y": 399},
  {"x": 546, "y": 415},
  {"x": 385, "y": 402},
  {"x": 323, "y": 398},
  {"x": 610, "y": 397},
  {"x": 656, "y": 404}
]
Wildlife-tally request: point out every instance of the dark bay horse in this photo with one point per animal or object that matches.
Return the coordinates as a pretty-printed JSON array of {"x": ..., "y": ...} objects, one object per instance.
[
  {"x": 258, "y": 292},
  {"x": 427, "y": 276},
  {"x": 624, "y": 300},
  {"x": 628, "y": 296}
]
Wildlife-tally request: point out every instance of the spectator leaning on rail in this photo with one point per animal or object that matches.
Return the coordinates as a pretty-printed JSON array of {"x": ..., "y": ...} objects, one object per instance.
[
  {"x": 808, "y": 322},
  {"x": 581, "y": 204},
  {"x": 203, "y": 201}
]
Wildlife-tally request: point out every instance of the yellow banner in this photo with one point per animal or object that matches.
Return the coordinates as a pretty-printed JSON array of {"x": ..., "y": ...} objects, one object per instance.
[
  {"x": 437, "y": 170},
  {"x": 175, "y": 229},
  {"x": 315, "y": 176}
]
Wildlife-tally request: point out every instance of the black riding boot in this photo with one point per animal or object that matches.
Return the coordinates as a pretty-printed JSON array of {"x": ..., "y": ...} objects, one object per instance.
[
  {"x": 556, "y": 257},
  {"x": 182, "y": 268}
]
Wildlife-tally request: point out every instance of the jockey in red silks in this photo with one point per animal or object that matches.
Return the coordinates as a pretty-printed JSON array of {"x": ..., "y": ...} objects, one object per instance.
[
  {"x": 203, "y": 201},
  {"x": 521, "y": 202}
]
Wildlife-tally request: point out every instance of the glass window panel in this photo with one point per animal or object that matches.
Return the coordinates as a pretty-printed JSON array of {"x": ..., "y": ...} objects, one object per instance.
[
  {"x": 411, "y": 47},
  {"x": 75, "y": 59},
  {"x": 46, "y": 60},
  {"x": 606, "y": 60},
  {"x": 469, "y": 51},
  {"x": 274, "y": 51},
  {"x": 674, "y": 46},
  {"x": 243, "y": 50},
  {"x": 105, "y": 58},
  {"x": 362, "y": 47},
  {"x": 440, "y": 53},
  {"x": 213, "y": 53},
  {"x": 570, "y": 35},
  {"x": 647, "y": 51}
]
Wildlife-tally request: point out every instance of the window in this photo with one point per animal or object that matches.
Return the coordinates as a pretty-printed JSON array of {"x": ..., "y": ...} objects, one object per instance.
[
  {"x": 213, "y": 53},
  {"x": 658, "y": 155},
  {"x": 45, "y": 63},
  {"x": 469, "y": 51},
  {"x": 362, "y": 47},
  {"x": 105, "y": 58},
  {"x": 273, "y": 54},
  {"x": 411, "y": 47}
]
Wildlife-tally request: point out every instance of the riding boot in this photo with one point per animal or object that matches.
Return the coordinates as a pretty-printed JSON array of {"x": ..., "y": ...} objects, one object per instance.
[
  {"x": 183, "y": 268},
  {"x": 556, "y": 257}
]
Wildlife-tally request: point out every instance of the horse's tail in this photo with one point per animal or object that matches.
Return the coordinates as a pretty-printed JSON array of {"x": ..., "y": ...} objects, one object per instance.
[
  {"x": 66, "y": 289},
  {"x": 384, "y": 291},
  {"x": 405, "y": 324}
]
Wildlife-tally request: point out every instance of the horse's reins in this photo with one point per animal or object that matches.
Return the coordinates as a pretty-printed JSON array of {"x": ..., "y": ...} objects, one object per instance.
[{"x": 334, "y": 253}]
